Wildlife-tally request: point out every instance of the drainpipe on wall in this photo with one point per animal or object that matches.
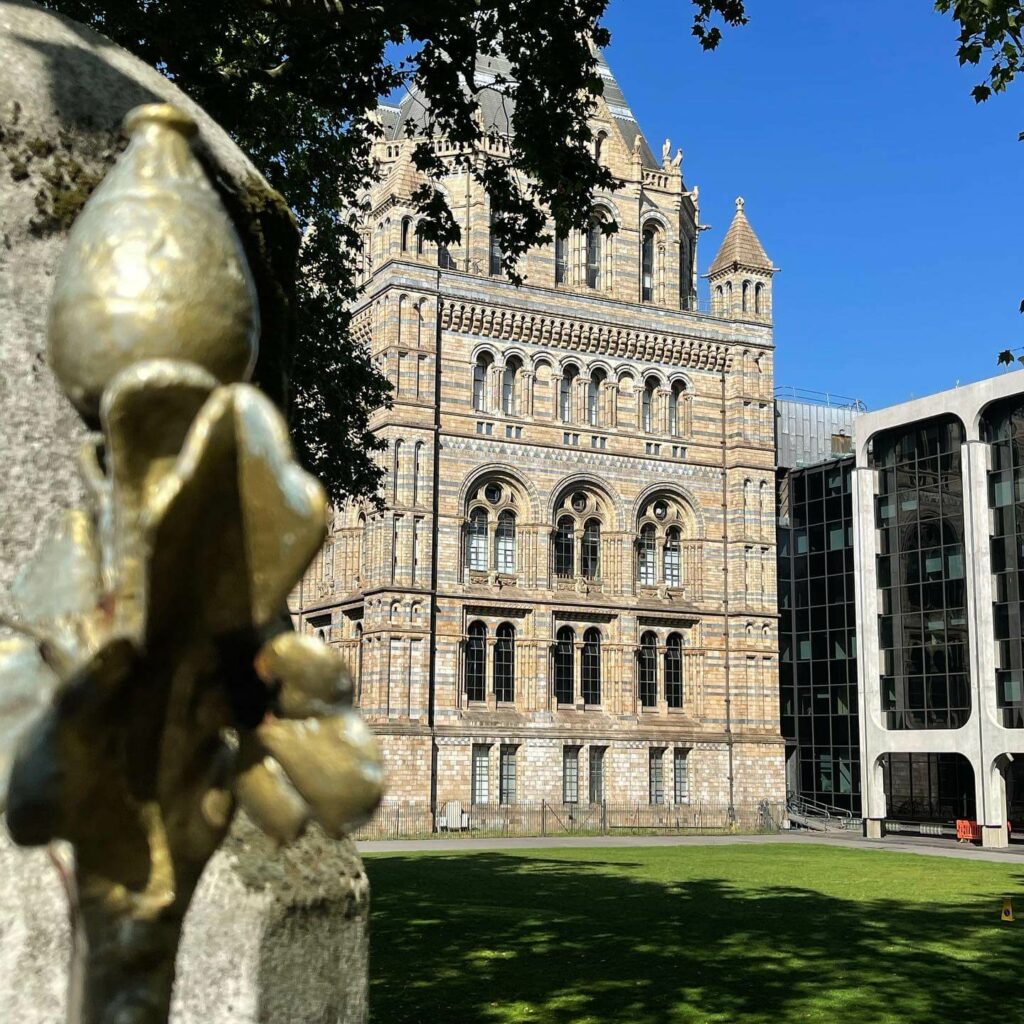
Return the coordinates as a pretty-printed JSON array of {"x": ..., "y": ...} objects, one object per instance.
[
  {"x": 435, "y": 534},
  {"x": 726, "y": 602}
]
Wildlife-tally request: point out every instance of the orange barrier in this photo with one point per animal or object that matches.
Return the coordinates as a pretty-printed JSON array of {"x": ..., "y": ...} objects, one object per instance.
[{"x": 967, "y": 831}]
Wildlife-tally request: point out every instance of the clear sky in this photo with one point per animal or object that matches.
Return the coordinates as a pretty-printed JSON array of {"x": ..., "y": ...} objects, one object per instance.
[{"x": 891, "y": 201}]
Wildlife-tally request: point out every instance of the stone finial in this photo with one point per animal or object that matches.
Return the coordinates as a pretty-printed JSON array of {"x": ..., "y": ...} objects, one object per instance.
[{"x": 740, "y": 203}]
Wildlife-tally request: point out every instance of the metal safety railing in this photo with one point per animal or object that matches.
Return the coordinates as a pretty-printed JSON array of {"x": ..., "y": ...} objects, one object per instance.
[{"x": 397, "y": 819}]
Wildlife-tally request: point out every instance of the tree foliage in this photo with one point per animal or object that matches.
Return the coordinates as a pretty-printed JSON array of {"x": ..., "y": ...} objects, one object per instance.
[{"x": 295, "y": 82}]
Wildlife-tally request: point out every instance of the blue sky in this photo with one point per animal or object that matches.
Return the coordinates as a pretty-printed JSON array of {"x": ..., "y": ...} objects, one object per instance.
[{"x": 891, "y": 201}]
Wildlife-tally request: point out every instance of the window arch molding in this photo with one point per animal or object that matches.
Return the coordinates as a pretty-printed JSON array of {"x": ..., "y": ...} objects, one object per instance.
[
  {"x": 606, "y": 497},
  {"x": 581, "y": 517},
  {"x": 672, "y": 493}
]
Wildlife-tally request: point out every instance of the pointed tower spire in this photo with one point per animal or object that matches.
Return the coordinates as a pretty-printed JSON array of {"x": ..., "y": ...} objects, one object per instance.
[{"x": 741, "y": 274}]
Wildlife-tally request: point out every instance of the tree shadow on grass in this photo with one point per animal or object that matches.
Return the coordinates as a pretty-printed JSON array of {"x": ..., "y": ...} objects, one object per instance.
[{"x": 497, "y": 938}]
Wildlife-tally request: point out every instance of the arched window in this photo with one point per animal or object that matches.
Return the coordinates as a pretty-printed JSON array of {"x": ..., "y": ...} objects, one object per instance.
[
  {"x": 590, "y": 555},
  {"x": 597, "y": 378},
  {"x": 599, "y": 141},
  {"x": 495, "y": 252},
  {"x": 728, "y": 295},
  {"x": 565, "y": 542},
  {"x": 406, "y": 232},
  {"x": 508, "y": 385},
  {"x": 565, "y": 643},
  {"x": 647, "y": 407},
  {"x": 673, "y": 567},
  {"x": 417, "y": 469},
  {"x": 759, "y": 298},
  {"x": 504, "y": 664},
  {"x": 674, "y": 671},
  {"x": 647, "y": 249},
  {"x": 685, "y": 281},
  {"x": 675, "y": 400},
  {"x": 476, "y": 653},
  {"x": 745, "y": 296},
  {"x": 396, "y": 476},
  {"x": 561, "y": 259},
  {"x": 565, "y": 387},
  {"x": 647, "y": 670},
  {"x": 590, "y": 674},
  {"x": 420, "y": 242},
  {"x": 445, "y": 260},
  {"x": 505, "y": 543},
  {"x": 594, "y": 245},
  {"x": 645, "y": 569},
  {"x": 476, "y": 540},
  {"x": 480, "y": 371}
]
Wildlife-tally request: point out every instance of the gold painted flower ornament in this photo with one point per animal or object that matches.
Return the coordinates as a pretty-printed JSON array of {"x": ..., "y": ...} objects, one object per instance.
[{"x": 156, "y": 683}]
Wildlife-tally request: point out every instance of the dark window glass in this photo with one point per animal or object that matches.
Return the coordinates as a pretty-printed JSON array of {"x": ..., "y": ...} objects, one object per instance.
[
  {"x": 505, "y": 543},
  {"x": 570, "y": 775},
  {"x": 504, "y": 664},
  {"x": 594, "y": 243},
  {"x": 476, "y": 652},
  {"x": 656, "y": 775},
  {"x": 565, "y": 389},
  {"x": 495, "y": 253},
  {"x": 590, "y": 555},
  {"x": 444, "y": 258},
  {"x": 591, "y": 667},
  {"x": 507, "y": 776},
  {"x": 647, "y": 265},
  {"x": 645, "y": 568},
  {"x": 597, "y": 775},
  {"x": 565, "y": 543},
  {"x": 565, "y": 655},
  {"x": 561, "y": 260},
  {"x": 647, "y": 670},
  {"x": 476, "y": 540},
  {"x": 674, "y": 671}
]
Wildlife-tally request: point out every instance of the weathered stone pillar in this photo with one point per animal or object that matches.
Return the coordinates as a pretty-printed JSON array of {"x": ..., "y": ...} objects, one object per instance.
[{"x": 274, "y": 937}]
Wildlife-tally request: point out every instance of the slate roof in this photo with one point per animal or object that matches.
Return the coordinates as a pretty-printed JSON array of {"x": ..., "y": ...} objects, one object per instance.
[
  {"x": 497, "y": 108},
  {"x": 741, "y": 246}
]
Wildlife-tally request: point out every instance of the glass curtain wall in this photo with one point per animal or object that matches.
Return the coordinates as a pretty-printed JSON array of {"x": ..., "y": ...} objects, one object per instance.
[{"x": 817, "y": 633}]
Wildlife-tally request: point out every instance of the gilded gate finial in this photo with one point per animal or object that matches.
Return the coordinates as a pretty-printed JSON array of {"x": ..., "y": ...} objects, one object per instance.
[{"x": 156, "y": 684}]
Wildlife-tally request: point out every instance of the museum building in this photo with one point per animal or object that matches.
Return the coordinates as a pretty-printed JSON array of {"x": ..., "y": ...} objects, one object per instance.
[{"x": 569, "y": 594}]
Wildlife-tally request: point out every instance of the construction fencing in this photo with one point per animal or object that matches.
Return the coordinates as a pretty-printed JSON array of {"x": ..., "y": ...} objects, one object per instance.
[{"x": 399, "y": 819}]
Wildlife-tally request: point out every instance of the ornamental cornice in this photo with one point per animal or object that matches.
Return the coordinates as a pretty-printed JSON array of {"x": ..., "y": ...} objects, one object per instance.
[
  {"x": 578, "y": 457},
  {"x": 578, "y": 335}
]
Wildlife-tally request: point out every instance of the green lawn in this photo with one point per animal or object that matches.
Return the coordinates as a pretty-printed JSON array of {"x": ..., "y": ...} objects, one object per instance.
[{"x": 660, "y": 935}]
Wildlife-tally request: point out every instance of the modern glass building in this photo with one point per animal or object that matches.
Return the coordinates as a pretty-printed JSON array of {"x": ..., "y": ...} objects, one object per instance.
[
  {"x": 817, "y": 621},
  {"x": 938, "y": 512}
]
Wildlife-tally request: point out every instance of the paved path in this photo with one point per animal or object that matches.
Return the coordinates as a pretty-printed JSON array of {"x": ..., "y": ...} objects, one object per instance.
[{"x": 923, "y": 846}]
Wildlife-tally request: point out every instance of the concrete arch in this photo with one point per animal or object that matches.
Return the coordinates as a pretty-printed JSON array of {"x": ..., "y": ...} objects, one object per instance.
[
  {"x": 501, "y": 471},
  {"x": 684, "y": 494}
]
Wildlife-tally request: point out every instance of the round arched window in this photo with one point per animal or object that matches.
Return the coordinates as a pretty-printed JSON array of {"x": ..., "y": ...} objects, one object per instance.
[
  {"x": 579, "y": 501},
  {"x": 660, "y": 510},
  {"x": 493, "y": 493}
]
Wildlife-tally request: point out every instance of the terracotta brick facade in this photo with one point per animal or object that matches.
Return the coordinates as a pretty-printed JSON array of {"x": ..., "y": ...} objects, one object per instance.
[{"x": 577, "y": 548}]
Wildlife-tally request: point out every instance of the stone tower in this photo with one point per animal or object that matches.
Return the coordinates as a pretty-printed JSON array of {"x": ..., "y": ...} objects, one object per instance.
[
  {"x": 569, "y": 594},
  {"x": 741, "y": 274}
]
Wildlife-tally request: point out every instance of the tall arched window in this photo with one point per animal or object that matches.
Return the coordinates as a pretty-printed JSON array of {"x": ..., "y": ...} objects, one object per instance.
[
  {"x": 759, "y": 298},
  {"x": 565, "y": 387},
  {"x": 505, "y": 543},
  {"x": 673, "y": 550},
  {"x": 675, "y": 400},
  {"x": 561, "y": 259},
  {"x": 684, "y": 273},
  {"x": 594, "y": 245},
  {"x": 645, "y": 570},
  {"x": 590, "y": 555},
  {"x": 647, "y": 407},
  {"x": 476, "y": 540},
  {"x": 476, "y": 670},
  {"x": 504, "y": 664},
  {"x": 565, "y": 542},
  {"x": 495, "y": 252},
  {"x": 647, "y": 251},
  {"x": 420, "y": 242},
  {"x": 597, "y": 378},
  {"x": 599, "y": 141},
  {"x": 481, "y": 368},
  {"x": 647, "y": 670},
  {"x": 728, "y": 295},
  {"x": 509, "y": 379},
  {"x": 745, "y": 296},
  {"x": 406, "y": 233},
  {"x": 445, "y": 260},
  {"x": 417, "y": 469},
  {"x": 565, "y": 645},
  {"x": 674, "y": 671},
  {"x": 590, "y": 674},
  {"x": 396, "y": 475}
]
